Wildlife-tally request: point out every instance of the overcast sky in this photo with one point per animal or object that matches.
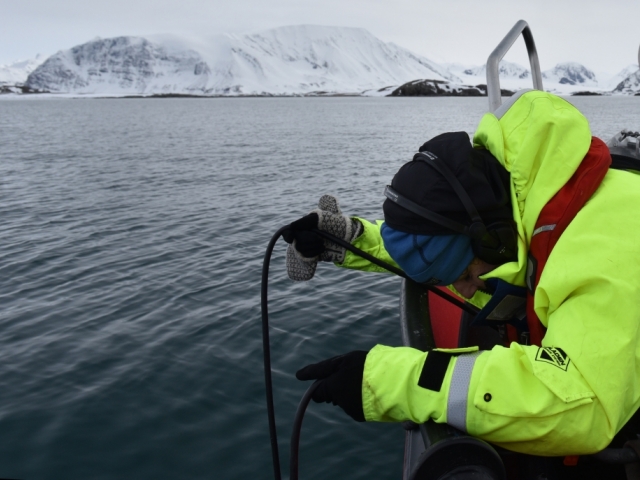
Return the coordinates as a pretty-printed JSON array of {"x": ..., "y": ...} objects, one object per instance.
[{"x": 602, "y": 35}]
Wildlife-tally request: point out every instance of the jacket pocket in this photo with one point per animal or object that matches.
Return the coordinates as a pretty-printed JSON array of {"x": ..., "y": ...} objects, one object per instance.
[{"x": 530, "y": 381}]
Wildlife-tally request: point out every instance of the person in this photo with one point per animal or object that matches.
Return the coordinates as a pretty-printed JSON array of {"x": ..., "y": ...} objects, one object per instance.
[{"x": 532, "y": 159}]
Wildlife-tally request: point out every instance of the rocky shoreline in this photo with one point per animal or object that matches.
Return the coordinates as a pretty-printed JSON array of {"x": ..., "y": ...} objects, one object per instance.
[
  {"x": 20, "y": 89},
  {"x": 414, "y": 88}
]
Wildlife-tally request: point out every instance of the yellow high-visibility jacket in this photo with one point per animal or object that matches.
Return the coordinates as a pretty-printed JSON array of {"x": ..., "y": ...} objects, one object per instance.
[{"x": 573, "y": 394}]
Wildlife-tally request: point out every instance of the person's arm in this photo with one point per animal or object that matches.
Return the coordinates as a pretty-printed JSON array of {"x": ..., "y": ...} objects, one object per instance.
[
  {"x": 370, "y": 241},
  {"x": 569, "y": 397},
  {"x": 522, "y": 398}
]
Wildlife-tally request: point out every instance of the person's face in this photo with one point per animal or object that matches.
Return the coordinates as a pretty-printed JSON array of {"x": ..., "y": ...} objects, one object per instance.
[{"x": 469, "y": 282}]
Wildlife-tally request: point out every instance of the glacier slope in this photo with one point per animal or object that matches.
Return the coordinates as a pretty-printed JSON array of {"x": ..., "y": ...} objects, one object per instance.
[{"x": 282, "y": 61}]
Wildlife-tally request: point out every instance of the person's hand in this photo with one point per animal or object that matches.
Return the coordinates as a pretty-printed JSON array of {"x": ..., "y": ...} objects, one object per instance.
[
  {"x": 626, "y": 143},
  {"x": 340, "y": 382},
  {"x": 307, "y": 248}
]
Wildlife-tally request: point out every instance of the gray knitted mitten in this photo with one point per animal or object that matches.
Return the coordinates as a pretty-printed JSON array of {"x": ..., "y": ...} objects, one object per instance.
[
  {"x": 299, "y": 268},
  {"x": 331, "y": 220}
]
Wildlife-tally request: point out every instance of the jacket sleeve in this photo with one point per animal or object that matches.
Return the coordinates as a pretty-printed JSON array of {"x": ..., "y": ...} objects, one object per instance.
[
  {"x": 370, "y": 241},
  {"x": 523, "y": 398}
]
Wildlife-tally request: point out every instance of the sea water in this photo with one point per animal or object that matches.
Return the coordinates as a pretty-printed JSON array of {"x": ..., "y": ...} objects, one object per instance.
[{"x": 132, "y": 235}]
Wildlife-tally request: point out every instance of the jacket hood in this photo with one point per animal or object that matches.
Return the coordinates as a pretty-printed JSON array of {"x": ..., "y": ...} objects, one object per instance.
[{"x": 541, "y": 140}]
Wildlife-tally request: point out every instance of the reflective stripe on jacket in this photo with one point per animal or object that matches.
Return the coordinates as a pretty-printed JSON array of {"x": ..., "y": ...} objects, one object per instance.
[{"x": 572, "y": 395}]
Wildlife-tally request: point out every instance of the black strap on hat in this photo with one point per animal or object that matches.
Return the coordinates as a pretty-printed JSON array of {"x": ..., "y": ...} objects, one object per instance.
[
  {"x": 477, "y": 230},
  {"x": 404, "y": 202}
]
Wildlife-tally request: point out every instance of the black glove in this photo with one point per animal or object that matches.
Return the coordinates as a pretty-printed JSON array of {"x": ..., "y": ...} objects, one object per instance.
[
  {"x": 341, "y": 382},
  {"x": 307, "y": 248},
  {"x": 307, "y": 243}
]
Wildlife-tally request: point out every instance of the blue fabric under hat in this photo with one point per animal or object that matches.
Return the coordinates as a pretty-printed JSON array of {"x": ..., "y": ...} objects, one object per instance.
[{"x": 432, "y": 259}]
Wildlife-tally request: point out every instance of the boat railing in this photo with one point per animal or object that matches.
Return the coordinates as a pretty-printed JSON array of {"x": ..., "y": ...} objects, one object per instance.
[{"x": 493, "y": 63}]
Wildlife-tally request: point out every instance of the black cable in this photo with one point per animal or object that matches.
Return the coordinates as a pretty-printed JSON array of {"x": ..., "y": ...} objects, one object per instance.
[
  {"x": 266, "y": 350},
  {"x": 297, "y": 427},
  {"x": 462, "y": 305}
]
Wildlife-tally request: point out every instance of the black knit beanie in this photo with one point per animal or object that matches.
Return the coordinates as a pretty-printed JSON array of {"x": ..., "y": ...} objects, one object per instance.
[{"x": 483, "y": 178}]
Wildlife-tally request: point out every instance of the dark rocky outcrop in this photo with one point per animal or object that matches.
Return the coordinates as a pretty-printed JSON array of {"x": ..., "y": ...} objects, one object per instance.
[
  {"x": 20, "y": 89},
  {"x": 432, "y": 88}
]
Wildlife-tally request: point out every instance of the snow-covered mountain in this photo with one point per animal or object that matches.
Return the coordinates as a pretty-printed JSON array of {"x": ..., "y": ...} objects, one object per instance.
[
  {"x": 609, "y": 82},
  {"x": 296, "y": 60},
  {"x": 571, "y": 73},
  {"x": 564, "y": 78},
  {"x": 506, "y": 69},
  {"x": 630, "y": 85},
  {"x": 286, "y": 60},
  {"x": 17, "y": 72},
  {"x": 121, "y": 65}
]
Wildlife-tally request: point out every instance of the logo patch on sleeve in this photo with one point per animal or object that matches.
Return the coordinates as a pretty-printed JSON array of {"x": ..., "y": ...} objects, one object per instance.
[{"x": 554, "y": 356}]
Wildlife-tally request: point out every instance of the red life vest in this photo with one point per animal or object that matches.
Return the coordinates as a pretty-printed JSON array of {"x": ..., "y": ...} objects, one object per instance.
[{"x": 556, "y": 216}]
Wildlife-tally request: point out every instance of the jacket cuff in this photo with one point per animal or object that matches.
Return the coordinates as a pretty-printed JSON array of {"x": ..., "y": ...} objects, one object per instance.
[
  {"x": 391, "y": 390},
  {"x": 370, "y": 242}
]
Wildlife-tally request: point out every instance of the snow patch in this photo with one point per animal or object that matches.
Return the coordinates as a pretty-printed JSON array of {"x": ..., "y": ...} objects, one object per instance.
[{"x": 16, "y": 73}]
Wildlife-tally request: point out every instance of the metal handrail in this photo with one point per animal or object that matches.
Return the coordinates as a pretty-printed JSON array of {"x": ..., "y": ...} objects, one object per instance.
[{"x": 493, "y": 63}]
